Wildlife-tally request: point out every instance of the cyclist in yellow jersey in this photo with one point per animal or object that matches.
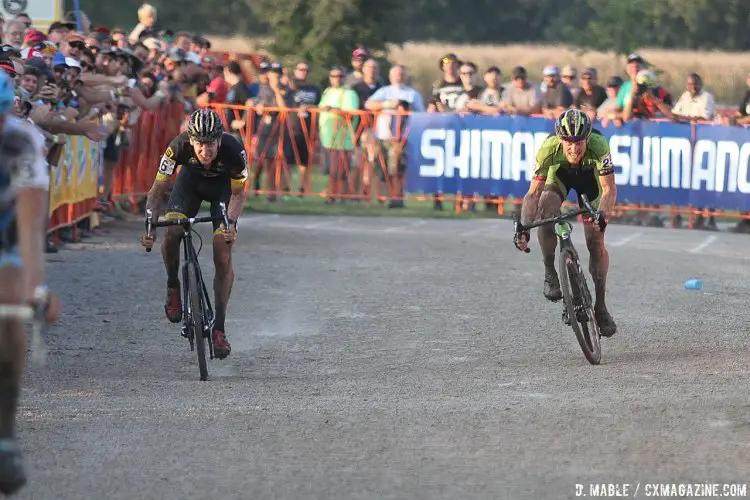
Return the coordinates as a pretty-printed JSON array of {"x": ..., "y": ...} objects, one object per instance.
[{"x": 574, "y": 157}]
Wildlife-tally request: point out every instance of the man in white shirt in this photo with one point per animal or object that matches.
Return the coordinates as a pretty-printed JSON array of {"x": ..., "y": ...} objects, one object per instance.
[
  {"x": 695, "y": 103},
  {"x": 390, "y": 103}
]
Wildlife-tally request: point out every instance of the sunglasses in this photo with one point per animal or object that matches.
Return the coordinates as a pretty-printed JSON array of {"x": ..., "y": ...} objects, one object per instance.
[{"x": 337, "y": 75}]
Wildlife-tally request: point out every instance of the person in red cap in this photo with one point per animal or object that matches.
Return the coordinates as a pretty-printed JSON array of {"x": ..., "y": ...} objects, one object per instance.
[
  {"x": 359, "y": 56},
  {"x": 33, "y": 37}
]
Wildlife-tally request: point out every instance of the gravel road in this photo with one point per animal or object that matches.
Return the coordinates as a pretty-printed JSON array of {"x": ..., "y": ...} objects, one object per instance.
[{"x": 391, "y": 358}]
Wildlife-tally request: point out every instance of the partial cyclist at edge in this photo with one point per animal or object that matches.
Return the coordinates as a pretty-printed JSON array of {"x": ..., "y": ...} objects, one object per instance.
[
  {"x": 24, "y": 196},
  {"x": 576, "y": 157},
  {"x": 213, "y": 168}
]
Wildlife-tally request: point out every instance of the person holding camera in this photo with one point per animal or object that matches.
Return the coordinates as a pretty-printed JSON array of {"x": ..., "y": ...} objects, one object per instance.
[{"x": 647, "y": 99}]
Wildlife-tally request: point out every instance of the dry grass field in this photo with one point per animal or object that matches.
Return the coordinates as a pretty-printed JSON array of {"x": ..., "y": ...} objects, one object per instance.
[{"x": 724, "y": 73}]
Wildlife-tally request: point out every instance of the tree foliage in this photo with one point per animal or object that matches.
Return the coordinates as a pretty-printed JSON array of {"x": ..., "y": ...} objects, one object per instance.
[{"x": 325, "y": 31}]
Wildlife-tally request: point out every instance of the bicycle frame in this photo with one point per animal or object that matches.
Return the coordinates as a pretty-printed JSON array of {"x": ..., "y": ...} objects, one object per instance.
[
  {"x": 577, "y": 310},
  {"x": 190, "y": 257}
]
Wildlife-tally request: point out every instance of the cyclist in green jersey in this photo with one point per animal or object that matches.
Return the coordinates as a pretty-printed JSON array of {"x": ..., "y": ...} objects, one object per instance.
[{"x": 574, "y": 157}]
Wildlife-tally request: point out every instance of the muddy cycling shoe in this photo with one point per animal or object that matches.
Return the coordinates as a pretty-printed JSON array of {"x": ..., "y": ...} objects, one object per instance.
[
  {"x": 222, "y": 349},
  {"x": 606, "y": 324},
  {"x": 12, "y": 475},
  {"x": 552, "y": 290},
  {"x": 173, "y": 306}
]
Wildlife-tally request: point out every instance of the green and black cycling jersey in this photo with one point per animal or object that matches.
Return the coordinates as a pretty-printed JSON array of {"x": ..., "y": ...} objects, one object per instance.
[{"x": 557, "y": 173}]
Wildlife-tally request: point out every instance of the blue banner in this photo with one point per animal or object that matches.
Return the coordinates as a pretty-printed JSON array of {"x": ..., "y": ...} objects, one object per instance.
[
  {"x": 656, "y": 162},
  {"x": 720, "y": 167}
]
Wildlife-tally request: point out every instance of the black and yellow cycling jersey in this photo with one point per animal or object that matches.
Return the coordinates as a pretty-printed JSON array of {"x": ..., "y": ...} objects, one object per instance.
[
  {"x": 196, "y": 183},
  {"x": 230, "y": 162},
  {"x": 557, "y": 173}
]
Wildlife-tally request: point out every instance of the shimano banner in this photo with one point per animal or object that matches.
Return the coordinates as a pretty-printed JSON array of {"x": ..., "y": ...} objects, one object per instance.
[
  {"x": 721, "y": 157},
  {"x": 656, "y": 162}
]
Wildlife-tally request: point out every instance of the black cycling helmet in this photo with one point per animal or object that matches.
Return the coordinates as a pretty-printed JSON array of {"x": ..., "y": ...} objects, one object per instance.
[
  {"x": 205, "y": 125},
  {"x": 573, "y": 126}
]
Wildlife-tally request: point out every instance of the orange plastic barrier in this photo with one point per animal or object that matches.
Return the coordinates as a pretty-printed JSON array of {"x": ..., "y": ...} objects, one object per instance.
[
  {"x": 286, "y": 150},
  {"x": 150, "y": 136},
  {"x": 366, "y": 169}
]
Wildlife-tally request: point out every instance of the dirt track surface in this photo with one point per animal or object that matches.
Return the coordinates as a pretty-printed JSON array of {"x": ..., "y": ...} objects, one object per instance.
[{"x": 388, "y": 358}]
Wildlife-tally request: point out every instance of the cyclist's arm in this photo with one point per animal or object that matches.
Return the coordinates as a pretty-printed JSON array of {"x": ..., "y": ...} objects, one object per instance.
[
  {"x": 167, "y": 167},
  {"x": 32, "y": 186},
  {"x": 606, "y": 179},
  {"x": 530, "y": 205},
  {"x": 239, "y": 193}
]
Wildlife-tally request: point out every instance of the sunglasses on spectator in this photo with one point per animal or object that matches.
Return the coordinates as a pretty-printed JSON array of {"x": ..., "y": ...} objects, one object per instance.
[
  {"x": 78, "y": 45},
  {"x": 302, "y": 68},
  {"x": 335, "y": 75}
]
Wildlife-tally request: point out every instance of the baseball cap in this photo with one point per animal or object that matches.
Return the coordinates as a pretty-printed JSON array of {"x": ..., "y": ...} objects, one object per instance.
[
  {"x": 551, "y": 70},
  {"x": 636, "y": 58},
  {"x": 9, "y": 68},
  {"x": 72, "y": 63},
  {"x": 59, "y": 60},
  {"x": 61, "y": 25},
  {"x": 590, "y": 71},
  {"x": 447, "y": 59},
  {"x": 33, "y": 36},
  {"x": 360, "y": 52},
  {"x": 614, "y": 81},
  {"x": 568, "y": 70},
  {"x": 38, "y": 63}
]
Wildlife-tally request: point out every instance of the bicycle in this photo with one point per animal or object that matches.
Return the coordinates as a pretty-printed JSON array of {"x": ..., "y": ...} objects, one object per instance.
[
  {"x": 577, "y": 303},
  {"x": 197, "y": 311}
]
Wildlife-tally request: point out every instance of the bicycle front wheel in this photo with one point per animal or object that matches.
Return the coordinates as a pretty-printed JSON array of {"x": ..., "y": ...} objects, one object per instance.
[
  {"x": 196, "y": 316},
  {"x": 577, "y": 301}
]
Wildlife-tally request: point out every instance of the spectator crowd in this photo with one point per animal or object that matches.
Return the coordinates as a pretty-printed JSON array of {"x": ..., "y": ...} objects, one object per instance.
[
  {"x": 462, "y": 89},
  {"x": 94, "y": 81},
  {"x": 80, "y": 79}
]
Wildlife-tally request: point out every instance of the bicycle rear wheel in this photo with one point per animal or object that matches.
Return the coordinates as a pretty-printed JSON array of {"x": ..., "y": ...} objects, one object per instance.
[
  {"x": 578, "y": 304},
  {"x": 195, "y": 304}
]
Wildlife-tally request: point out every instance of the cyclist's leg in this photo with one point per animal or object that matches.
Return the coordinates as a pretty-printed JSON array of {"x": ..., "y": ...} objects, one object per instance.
[
  {"x": 555, "y": 191},
  {"x": 184, "y": 201},
  {"x": 224, "y": 272},
  {"x": 598, "y": 257},
  {"x": 12, "y": 360}
]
